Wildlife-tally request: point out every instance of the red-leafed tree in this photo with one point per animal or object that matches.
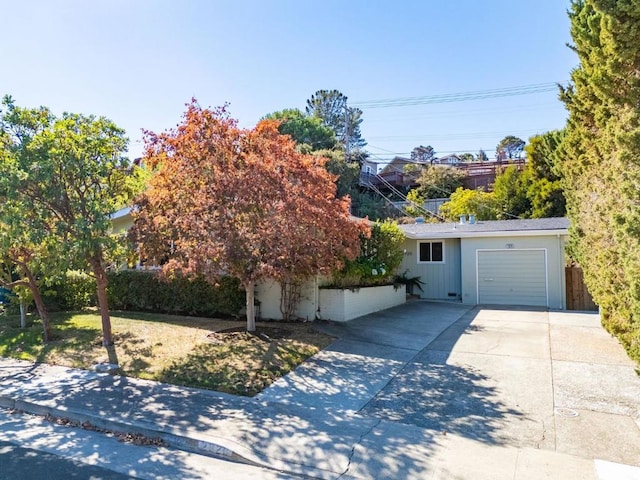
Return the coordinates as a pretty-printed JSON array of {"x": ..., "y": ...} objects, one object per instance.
[{"x": 225, "y": 200}]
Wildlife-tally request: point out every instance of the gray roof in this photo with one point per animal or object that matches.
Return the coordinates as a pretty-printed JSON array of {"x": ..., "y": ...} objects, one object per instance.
[{"x": 534, "y": 226}]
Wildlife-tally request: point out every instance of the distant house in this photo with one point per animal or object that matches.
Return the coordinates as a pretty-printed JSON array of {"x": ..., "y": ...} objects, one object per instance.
[
  {"x": 508, "y": 262},
  {"x": 451, "y": 159},
  {"x": 396, "y": 174}
]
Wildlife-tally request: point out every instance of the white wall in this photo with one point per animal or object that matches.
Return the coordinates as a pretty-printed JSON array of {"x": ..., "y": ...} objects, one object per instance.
[
  {"x": 268, "y": 293},
  {"x": 341, "y": 305}
]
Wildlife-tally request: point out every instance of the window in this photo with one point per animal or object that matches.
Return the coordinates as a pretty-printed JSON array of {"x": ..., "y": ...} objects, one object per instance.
[{"x": 431, "y": 252}]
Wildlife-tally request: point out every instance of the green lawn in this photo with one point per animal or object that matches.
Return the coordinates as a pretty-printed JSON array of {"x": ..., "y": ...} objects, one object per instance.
[{"x": 174, "y": 349}]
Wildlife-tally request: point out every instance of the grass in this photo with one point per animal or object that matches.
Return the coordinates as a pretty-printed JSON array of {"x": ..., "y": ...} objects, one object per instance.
[{"x": 174, "y": 349}]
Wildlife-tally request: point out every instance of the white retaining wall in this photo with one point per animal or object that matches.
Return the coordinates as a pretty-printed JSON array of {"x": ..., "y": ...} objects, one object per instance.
[
  {"x": 268, "y": 293},
  {"x": 341, "y": 305}
]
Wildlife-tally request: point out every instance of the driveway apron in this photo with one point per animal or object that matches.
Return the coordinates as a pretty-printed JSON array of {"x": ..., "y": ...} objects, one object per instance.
[{"x": 368, "y": 353}]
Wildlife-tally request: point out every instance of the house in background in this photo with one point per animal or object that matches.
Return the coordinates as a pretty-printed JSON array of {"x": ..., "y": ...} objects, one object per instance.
[
  {"x": 396, "y": 174},
  {"x": 451, "y": 160},
  {"x": 504, "y": 262}
]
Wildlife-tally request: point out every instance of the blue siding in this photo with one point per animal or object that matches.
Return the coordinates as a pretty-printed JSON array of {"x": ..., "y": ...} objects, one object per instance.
[{"x": 440, "y": 279}]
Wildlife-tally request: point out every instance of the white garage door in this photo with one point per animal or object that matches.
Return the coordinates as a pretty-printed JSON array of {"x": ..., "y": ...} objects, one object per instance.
[{"x": 512, "y": 277}]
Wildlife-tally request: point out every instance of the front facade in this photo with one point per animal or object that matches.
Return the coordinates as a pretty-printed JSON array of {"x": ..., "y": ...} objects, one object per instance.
[{"x": 510, "y": 262}]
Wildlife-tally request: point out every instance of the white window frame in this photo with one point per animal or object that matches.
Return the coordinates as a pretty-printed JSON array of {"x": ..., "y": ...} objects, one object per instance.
[{"x": 431, "y": 262}]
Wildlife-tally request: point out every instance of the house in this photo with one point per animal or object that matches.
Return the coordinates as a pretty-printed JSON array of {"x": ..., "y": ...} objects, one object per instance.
[
  {"x": 507, "y": 262},
  {"x": 314, "y": 302},
  {"x": 451, "y": 159},
  {"x": 394, "y": 174}
]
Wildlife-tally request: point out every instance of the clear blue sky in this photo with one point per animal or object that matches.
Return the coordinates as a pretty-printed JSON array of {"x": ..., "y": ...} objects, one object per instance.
[{"x": 138, "y": 62}]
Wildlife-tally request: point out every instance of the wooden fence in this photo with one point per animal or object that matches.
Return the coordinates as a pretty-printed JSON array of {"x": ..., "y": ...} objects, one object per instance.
[{"x": 578, "y": 297}]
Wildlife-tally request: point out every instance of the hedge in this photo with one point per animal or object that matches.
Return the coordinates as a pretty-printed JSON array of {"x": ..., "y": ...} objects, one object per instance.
[{"x": 145, "y": 291}]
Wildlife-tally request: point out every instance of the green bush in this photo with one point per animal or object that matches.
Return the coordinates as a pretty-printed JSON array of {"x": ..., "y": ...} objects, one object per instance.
[
  {"x": 76, "y": 291},
  {"x": 145, "y": 291},
  {"x": 380, "y": 256},
  {"x": 150, "y": 292}
]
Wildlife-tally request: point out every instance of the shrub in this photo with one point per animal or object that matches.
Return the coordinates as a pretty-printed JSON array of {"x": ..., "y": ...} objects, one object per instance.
[
  {"x": 75, "y": 291},
  {"x": 147, "y": 291},
  {"x": 380, "y": 256},
  {"x": 150, "y": 292}
]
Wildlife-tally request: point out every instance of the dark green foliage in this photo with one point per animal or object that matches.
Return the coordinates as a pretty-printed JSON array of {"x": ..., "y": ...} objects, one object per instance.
[
  {"x": 423, "y": 154},
  {"x": 331, "y": 107},
  {"x": 348, "y": 173},
  {"x": 144, "y": 291},
  {"x": 601, "y": 165},
  {"x": 510, "y": 191},
  {"x": 544, "y": 161},
  {"x": 370, "y": 205},
  {"x": 439, "y": 181},
  {"x": 307, "y": 131},
  {"x": 75, "y": 292},
  {"x": 413, "y": 284},
  {"x": 380, "y": 256},
  {"x": 510, "y": 146}
]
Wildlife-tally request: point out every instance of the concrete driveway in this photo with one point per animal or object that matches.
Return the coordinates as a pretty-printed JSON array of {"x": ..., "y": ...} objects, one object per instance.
[{"x": 486, "y": 377}]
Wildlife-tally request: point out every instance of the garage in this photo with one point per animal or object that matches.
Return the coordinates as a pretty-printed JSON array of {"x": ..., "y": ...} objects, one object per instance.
[
  {"x": 512, "y": 277},
  {"x": 489, "y": 262}
]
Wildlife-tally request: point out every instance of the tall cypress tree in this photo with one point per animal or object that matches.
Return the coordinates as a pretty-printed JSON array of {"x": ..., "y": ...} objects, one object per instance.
[{"x": 601, "y": 167}]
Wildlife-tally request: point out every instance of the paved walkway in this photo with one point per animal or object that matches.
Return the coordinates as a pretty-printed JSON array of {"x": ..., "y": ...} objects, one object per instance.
[{"x": 419, "y": 391}]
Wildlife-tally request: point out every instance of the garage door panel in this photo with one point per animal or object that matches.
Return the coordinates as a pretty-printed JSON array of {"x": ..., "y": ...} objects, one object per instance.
[{"x": 512, "y": 277}]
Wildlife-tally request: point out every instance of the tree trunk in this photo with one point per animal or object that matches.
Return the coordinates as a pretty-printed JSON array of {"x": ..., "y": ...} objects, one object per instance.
[
  {"x": 251, "y": 310},
  {"x": 37, "y": 298},
  {"x": 103, "y": 302},
  {"x": 23, "y": 315}
]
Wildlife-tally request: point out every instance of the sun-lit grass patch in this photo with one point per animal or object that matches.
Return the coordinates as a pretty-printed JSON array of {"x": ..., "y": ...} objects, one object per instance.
[{"x": 174, "y": 349}]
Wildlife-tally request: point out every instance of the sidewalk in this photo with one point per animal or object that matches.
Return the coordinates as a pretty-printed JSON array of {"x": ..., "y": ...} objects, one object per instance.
[
  {"x": 283, "y": 429},
  {"x": 313, "y": 443}
]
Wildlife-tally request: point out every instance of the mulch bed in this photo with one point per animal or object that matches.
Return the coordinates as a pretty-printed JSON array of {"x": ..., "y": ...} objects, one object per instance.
[{"x": 230, "y": 335}]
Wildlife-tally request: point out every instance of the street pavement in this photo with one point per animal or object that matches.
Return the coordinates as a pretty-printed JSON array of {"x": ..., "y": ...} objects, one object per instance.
[{"x": 424, "y": 390}]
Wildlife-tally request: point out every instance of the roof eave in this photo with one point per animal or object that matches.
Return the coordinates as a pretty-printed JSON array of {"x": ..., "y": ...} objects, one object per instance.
[{"x": 502, "y": 233}]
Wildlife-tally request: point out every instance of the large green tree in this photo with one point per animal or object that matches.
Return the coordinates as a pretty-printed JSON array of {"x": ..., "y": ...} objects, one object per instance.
[
  {"x": 601, "y": 167},
  {"x": 511, "y": 146},
  {"x": 463, "y": 201},
  {"x": 331, "y": 107},
  {"x": 510, "y": 191},
  {"x": 544, "y": 189},
  {"x": 439, "y": 181},
  {"x": 422, "y": 154},
  {"x": 309, "y": 132},
  {"x": 72, "y": 171}
]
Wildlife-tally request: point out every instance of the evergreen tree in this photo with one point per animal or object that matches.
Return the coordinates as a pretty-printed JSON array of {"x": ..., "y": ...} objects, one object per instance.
[
  {"x": 331, "y": 107},
  {"x": 601, "y": 170}
]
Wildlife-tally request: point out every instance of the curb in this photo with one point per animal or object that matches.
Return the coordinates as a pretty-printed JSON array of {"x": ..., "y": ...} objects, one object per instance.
[{"x": 190, "y": 442}]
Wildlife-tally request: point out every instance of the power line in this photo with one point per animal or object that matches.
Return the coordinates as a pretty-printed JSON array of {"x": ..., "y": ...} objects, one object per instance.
[
  {"x": 454, "y": 136},
  {"x": 461, "y": 96}
]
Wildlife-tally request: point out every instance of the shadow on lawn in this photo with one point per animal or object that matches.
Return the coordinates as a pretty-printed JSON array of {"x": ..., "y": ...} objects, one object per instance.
[
  {"x": 241, "y": 365},
  {"x": 27, "y": 343},
  {"x": 203, "y": 323}
]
